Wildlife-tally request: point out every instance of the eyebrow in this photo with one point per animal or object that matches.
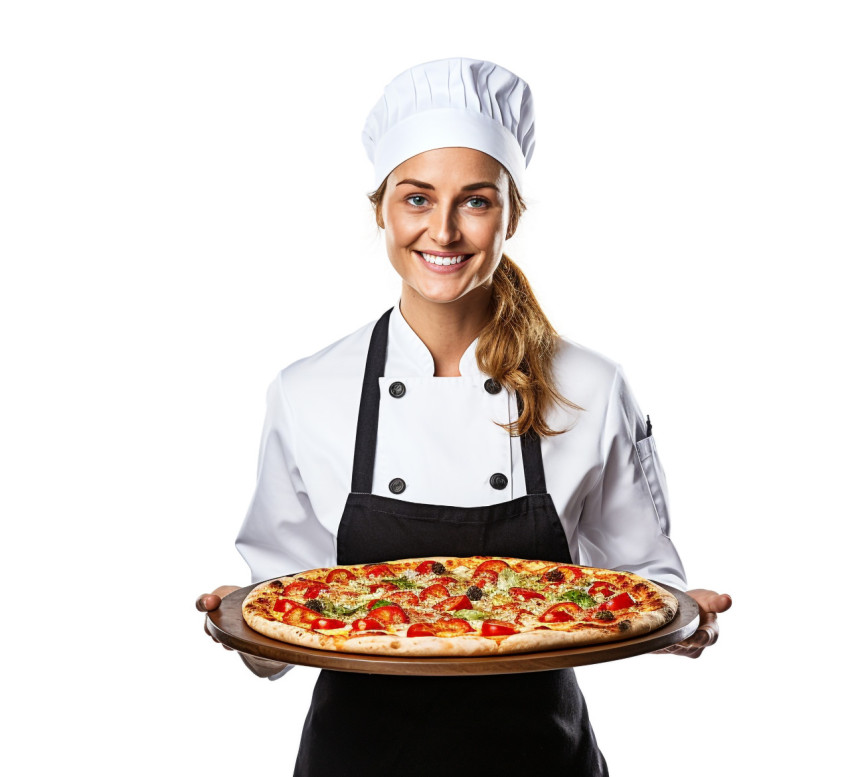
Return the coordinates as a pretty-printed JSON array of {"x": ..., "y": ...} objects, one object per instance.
[{"x": 468, "y": 187}]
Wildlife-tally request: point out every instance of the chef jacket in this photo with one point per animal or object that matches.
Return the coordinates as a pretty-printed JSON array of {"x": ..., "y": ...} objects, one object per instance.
[{"x": 441, "y": 437}]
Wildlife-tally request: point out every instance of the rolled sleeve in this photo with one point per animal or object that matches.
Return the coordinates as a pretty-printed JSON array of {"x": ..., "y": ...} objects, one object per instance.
[{"x": 625, "y": 522}]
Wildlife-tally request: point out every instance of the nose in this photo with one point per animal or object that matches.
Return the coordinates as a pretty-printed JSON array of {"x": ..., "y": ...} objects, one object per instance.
[{"x": 443, "y": 228}]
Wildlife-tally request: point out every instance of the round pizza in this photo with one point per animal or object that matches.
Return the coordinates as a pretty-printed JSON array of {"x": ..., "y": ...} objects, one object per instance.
[{"x": 479, "y": 605}]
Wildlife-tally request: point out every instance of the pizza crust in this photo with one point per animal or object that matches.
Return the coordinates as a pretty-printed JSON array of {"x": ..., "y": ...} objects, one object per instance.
[{"x": 262, "y": 598}]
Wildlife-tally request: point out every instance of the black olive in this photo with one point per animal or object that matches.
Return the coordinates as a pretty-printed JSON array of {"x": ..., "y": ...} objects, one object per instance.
[
  {"x": 604, "y": 615},
  {"x": 315, "y": 605},
  {"x": 438, "y": 568},
  {"x": 474, "y": 593},
  {"x": 624, "y": 625},
  {"x": 275, "y": 584},
  {"x": 554, "y": 576}
]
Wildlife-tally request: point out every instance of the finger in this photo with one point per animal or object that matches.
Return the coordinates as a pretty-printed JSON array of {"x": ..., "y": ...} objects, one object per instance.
[
  {"x": 702, "y": 638},
  {"x": 699, "y": 639},
  {"x": 719, "y": 603},
  {"x": 708, "y": 631},
  {"x": 207, "y": 602},
  {"x": 711, "y": 601}
]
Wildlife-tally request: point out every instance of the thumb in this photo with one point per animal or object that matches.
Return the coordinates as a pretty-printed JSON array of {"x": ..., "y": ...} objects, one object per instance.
[
  {"x": 711, "y": 601},
  {"x": 720, "y": 603},
  {"x": 207, "y": 602}
]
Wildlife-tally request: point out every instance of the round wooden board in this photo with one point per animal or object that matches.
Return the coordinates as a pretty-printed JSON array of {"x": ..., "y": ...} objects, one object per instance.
[{"x": 227, "y": 625}]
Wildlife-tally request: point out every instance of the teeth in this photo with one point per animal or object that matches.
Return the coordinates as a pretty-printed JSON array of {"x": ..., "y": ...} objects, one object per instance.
[{"x": 442, "y": 260}]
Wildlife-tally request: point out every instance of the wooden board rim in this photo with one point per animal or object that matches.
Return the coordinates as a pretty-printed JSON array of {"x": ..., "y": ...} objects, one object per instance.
[{"x": 228, "y": 626}]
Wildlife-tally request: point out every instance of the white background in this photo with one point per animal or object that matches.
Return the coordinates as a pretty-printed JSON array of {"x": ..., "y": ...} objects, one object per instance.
[{"x": 183, "y": 213}]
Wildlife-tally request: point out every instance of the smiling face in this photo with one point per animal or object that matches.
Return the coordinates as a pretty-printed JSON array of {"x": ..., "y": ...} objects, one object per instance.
[{"x": 445, "y": 213}]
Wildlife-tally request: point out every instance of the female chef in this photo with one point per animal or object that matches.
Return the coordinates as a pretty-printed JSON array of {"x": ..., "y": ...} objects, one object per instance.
[{"x": 457, "y": 424}]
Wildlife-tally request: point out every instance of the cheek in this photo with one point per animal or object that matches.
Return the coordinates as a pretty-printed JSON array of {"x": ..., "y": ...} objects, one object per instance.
[
  {"x": 397, "y": 232},
  {"x": 490, "y": 235},
  {"x": 395, "y": 245}
]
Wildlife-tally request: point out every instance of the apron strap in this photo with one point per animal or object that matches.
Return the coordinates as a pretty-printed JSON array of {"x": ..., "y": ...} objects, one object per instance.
[
  {"x": 370, "y": 398},
  {"x": 367, "y": 423},
  {"x": 532, "y": 463}
]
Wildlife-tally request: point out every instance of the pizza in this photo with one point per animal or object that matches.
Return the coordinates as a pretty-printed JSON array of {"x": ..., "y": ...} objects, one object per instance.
[{"x": 478, "y": 605}]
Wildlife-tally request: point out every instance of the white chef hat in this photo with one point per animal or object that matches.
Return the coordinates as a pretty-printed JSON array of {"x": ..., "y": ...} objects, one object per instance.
[{"x": 452, "y": 102}]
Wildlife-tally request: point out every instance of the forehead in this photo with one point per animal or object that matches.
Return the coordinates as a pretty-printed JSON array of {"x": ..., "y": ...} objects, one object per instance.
[{"x": 451, "y": 167}]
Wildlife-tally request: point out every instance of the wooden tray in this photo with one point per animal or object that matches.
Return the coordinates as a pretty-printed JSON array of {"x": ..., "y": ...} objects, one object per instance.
[{"x": 227, "y": 625}]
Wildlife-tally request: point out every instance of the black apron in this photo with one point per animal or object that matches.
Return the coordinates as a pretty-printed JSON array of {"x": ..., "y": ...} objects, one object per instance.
[{"x": 362, "y": 724}]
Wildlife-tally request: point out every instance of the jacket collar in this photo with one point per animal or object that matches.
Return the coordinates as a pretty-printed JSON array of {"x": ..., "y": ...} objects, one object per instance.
[{"x": 407, "y": 355}]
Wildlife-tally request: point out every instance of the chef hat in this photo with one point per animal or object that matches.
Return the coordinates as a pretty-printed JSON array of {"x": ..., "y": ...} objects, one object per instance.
[{"x": 452, "y": 102}]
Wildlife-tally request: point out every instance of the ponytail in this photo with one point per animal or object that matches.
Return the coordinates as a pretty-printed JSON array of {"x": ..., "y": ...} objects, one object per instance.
[{"x": 517, "y": 348}]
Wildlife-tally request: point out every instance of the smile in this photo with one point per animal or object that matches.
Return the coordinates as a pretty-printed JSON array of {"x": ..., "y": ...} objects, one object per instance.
[{"x": 444, "y": 260}]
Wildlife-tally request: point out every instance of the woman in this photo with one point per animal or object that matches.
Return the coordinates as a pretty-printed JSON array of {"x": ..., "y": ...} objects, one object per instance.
[{"x": 460, "y": 397}]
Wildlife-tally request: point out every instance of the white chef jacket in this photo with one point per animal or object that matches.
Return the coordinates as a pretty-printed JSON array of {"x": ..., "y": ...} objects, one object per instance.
[{"x": 441, "y": 437}]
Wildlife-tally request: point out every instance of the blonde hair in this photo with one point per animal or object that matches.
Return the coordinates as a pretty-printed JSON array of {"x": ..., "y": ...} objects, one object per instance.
[{"x": 518, "y": 344}]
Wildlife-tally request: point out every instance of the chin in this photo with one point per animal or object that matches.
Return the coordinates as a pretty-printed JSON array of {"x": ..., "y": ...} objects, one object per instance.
[{"x": 441, "y": 296}]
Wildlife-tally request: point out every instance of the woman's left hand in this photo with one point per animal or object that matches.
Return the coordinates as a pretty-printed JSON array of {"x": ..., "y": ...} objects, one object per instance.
[{"x": 710, "y": 603}]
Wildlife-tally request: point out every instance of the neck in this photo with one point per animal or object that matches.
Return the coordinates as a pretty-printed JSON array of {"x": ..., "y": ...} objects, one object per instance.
[{"x": 446, "y": 328}]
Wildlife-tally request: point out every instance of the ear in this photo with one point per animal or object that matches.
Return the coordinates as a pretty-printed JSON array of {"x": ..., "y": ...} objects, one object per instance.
[{"x": 379, "y": 217}]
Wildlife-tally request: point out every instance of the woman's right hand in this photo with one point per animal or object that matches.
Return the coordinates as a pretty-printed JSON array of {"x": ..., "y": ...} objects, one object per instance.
[
  {"x": 262, "y": 667},
  {"x": 207, "y": 602}
]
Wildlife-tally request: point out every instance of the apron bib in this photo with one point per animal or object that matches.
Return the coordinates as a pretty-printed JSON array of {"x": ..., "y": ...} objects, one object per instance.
[{"x": 361, "y": 724}]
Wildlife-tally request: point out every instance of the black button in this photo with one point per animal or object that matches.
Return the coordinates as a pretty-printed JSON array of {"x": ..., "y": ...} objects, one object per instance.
[
  {"x": 498, "y": 481},
  {"x": 492, "y": 386},
  {"x": 397, "y": 485},
  {"x": 397, "y": 390}
]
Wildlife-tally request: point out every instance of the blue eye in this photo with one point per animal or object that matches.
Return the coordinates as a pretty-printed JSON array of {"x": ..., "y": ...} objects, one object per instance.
[
  {"x": 416, "y": 200},
  {"x": 477, "y": 203}
]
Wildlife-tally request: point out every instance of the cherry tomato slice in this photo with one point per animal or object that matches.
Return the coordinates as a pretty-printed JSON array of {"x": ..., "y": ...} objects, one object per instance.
[
  {"x": 449, "y": 626},
  {"x": 306, "y": 588},
  {"x": 497, "y": 629},
  {"x": 454, "y": 603},
  {"x": 421, "y": 630},
  {"x": 367, "y": 624},
  {"x": 436, "y": 591},
  {"x": 284, "y": 605},
  {"x": 619, "y": 602},
  {"x": 485, "y": 578},
  {"x": 524, "y": 594},
  {"x": 295, "y": 614},
  {"x": 493, "y": 565},
  {"x": 379, "y": 570},
  {"x": 388, "y": 614},
  {"x": 560, "y": 613},
  {"x": 599, "y": 587},
  {"x": 339, "y": 576},
  {"x": 327, "y": 623}
]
